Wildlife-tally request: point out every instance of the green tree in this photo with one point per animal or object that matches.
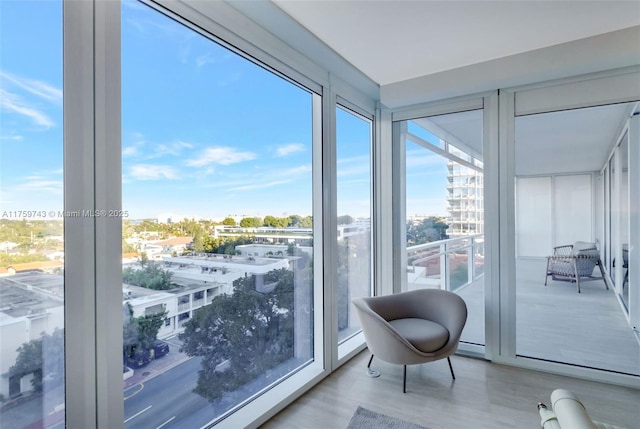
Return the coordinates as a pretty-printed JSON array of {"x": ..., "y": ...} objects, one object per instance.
[
  {"x": 294, "y": 221},
  {"x": 251, "y": 222},
  {"x": 198, "y": 244},
  {"x": 271, "y": 221},
  {"x": 140, "y": 332},
  {"x": 229, "y": 221},
  {"x": 345, "y": 220},
  {"x": 241, "y": 335},
  {"x": 276, "y": 222},
  {"x": 429, "y": 229},
  {"x": 151, "y": 276},
  {"x": 307, "y": 222},
  {"x": 6, "y": 260},
  {"x": 129, "y": 333},
  {"x": 42, "y": 357}
]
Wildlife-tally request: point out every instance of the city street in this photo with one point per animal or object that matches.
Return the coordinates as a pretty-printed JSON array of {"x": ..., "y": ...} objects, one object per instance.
[{"x": 168, "y": 401}]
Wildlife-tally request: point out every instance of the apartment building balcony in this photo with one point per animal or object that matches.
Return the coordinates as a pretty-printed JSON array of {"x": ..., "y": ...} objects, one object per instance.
[{"x": 553, "y": 323}]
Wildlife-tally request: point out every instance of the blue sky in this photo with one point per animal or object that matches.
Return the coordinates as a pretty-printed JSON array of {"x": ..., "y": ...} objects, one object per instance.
[
  {"x": 205, "y": 133},
  {"x": 30, "y": 106}
]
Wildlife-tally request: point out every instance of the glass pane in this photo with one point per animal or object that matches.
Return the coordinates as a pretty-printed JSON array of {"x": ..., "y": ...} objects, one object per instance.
[
  {"x": 444, "y": 209},
  {"x": 563, "y": 224},
  {"x": 353, "y": 141},
  {"x": 218, "y": 245},
  {"x": 31, "y": 223}
]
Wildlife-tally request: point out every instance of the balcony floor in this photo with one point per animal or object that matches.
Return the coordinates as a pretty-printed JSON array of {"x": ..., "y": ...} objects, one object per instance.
[{"x": 557, "y": 323}]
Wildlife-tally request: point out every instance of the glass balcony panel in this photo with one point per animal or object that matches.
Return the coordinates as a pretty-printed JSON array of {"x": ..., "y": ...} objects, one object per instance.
[{"x": 459, "y": 274}]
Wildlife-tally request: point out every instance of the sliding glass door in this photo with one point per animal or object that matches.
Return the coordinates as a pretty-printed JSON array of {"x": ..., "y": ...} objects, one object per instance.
[
  {"x": 443, "y": 225},
  {"x": 569, "y": 261}
]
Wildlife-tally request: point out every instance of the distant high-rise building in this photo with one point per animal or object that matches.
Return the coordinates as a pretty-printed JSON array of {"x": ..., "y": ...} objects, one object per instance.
[{"x": 466, "y": 200}]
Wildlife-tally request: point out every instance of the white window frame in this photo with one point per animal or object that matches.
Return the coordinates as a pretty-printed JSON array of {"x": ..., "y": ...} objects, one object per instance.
[
  {"x": 356, "y": 343},
  {"x": 92, "y": 111},
  {"x": 488, "y": 102}
]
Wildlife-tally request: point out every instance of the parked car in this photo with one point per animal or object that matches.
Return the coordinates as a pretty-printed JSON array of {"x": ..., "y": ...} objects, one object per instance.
[
  {"x": 160, "y": 348},
  {"x": 138, "y": 359}
]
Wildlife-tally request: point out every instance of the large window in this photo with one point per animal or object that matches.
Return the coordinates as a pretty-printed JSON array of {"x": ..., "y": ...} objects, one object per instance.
[
  {"x": 31, "y": 209},
  {"x": 217, "y": 164},
  {"x": 354, "y": 238}
]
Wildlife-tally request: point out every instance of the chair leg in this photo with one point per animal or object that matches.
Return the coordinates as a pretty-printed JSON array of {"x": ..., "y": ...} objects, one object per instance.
[
  {"x": 546, "y": 277},
  {"x": 602, "y": 274},
  {"x": 451, "y": 368},
  {"x": 373, "y": 373},
  {"x": 404, "y": 380},
  {"x": 624, "y": 281}
]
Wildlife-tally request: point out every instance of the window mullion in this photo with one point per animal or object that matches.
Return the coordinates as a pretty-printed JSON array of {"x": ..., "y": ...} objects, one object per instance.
[
  {"x": 80, "y": 322},
  {"x": 108, "y": 222}
]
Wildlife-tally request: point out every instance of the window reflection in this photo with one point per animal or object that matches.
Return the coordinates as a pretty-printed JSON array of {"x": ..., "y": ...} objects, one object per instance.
[{"x": 32, "y": 390}]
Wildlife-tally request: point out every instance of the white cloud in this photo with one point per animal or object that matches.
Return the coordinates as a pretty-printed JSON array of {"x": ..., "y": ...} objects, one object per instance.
[
  {"x": 205, "y": 59},
  {"x": 260, "y": 185},
  {"x": 288, "y": 149},
  {"x": 153, "y": 172},
  {"x": 294, "y": 171},
  {"x": 13, "y": 103},
  {"x": 41, "y": 184},
  {"x": 139, "y": 146},
  {"x": 173, "y": 149},
  {"x": 36, "y": 87},
  {"x": 221, "y": 156},
  {"x": 12, "y": 138},
  {"x": 130, "y": 151}
]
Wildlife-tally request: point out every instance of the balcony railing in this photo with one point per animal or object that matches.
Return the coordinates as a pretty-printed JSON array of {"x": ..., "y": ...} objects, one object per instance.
[{"x": 449, "y": 264}]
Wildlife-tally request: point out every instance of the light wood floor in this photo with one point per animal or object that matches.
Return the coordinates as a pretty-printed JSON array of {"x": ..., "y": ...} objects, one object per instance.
[
  {"x": 484, "y": 395},
  {"x": 557, "y": 323}
]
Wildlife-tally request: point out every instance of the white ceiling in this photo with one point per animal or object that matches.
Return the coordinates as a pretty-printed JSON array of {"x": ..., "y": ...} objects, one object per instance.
[
  {"x": 392, "y": 41},
  {"x": 396, "y": 41},
  {"x": 569, "y": 141}
]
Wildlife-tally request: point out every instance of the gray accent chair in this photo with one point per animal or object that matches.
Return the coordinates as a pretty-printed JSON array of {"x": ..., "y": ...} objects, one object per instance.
[
  {"x": 574, "y": 262},
  {"x": 412, "y": 327}
]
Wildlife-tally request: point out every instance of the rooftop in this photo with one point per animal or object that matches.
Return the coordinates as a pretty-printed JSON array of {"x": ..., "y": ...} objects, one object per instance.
[{"x": 28, "y": 294}]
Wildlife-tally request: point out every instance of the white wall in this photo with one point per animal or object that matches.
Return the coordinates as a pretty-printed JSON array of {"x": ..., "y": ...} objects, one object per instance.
[{"x": 553, "y": 211}]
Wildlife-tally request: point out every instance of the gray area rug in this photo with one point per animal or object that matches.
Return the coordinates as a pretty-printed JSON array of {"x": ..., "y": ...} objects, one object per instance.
[{"x": 367, "y": 419}]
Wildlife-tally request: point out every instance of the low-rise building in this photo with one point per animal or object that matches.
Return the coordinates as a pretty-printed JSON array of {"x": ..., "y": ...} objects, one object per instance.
[{"x": 33, "y": 300}]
